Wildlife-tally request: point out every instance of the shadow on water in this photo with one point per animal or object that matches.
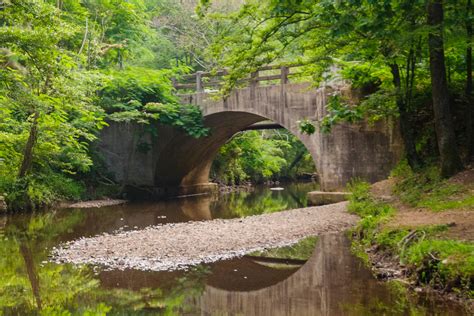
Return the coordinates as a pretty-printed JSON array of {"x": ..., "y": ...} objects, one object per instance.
[{"x": 331, "y": 282}]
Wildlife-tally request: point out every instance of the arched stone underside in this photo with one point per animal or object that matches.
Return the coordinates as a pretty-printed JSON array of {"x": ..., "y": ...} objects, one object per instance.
[{"x": 172, "y": 163}]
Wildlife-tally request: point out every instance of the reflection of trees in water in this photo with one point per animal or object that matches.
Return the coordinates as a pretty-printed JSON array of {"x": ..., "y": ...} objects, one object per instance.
[
  {"x": 302, "y": 250},
  {"x": 30, "y": 284},
  {"x": 242, "y": 204},
  {"x": 173, "y": 300},
  {"x": 260, "y": 201}
]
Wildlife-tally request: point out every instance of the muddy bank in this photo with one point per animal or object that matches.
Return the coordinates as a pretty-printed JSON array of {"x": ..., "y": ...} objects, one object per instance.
[
  {"x": 385, "y": 266},
  {"x": 176, "y": 246}
]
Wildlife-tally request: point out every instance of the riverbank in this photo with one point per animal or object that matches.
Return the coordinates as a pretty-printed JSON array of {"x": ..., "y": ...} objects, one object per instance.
[
  {"x": 419, "y": 229},
  {"x": 177, "y": 246}
]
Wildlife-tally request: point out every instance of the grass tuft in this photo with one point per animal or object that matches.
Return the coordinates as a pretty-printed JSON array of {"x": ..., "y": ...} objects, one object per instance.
[
  {"x": 428, "y": 189},
  {"x": 443, "y": 264}
]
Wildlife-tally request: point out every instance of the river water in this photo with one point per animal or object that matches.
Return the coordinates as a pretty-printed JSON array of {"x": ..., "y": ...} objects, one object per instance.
[{"x": 319, "y": 276}]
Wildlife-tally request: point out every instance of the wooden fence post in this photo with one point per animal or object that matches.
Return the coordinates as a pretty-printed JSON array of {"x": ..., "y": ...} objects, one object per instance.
[
  {"x": 199, "y": 85},
  {"x": 284, "y": 74},
  {"x": 253, "y": 79}
]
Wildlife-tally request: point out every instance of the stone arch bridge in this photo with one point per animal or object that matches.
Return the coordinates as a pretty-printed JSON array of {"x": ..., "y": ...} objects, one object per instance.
[{"x": 177, "y": 164}]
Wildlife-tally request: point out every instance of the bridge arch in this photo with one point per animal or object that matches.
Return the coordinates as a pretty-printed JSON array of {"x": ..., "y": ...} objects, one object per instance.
[
  {"x": 176, "y": 164},
  {"x": 188, "y": 161}
]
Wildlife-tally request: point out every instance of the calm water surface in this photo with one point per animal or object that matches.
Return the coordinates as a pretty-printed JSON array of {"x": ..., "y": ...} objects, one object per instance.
[{"x": 319, "y": 277}]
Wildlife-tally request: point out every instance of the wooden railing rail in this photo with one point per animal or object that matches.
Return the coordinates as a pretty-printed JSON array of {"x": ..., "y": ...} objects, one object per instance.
[{"x": 201, "y": 80}]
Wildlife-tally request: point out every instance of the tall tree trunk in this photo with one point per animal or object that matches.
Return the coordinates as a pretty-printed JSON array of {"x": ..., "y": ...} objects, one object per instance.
[
  {"x": 406, "y": 125},
  {"x": 450, "y": 160},
  {"x": 28, "y": 152},
  {"x": 470, "y": 105}
]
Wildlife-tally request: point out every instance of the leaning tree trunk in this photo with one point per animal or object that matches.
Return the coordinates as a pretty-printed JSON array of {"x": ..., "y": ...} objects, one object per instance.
[
  {"x": 450, "y": 160},
  {"x": 28, "y": 153}
]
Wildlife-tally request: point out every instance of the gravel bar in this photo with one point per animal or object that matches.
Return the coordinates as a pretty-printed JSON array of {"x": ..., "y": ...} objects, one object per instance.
[
  {"x": 97, "y": 203},
  {"x": 180, "y": 245}
]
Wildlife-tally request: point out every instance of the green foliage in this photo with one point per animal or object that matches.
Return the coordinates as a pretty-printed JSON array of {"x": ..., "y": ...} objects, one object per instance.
[
  {"x": 249, "y": 156},
  {"x": 48, "y": 93},
  {"x": 440, "y": 263},
  {"x": 363, "y": 75},
  {"x": 302, "y": 250},
  {"x": 145, "y": 96},
  {"x": 378, "y": 105},
  {"x": 373, "y": 107},
  {"x": 135, "y": 87},
  {"x": 63, "y": 68},
  {"x": 379, "y": 47},
  {"x": 339, "y": 111},
  {"x": 372, "y": 212},
  {"x": 42, "y": 190},
  {"x": 258, "y": 156},
  {"x": 299, "y": 162},
  {"x": 306, "y": 127},
  {"x": 444, "y": 262},
  {"x": 426, "y": 188}
]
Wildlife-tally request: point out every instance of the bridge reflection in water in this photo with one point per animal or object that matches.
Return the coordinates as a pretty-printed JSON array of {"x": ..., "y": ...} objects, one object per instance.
[{"x": 332, "y": 282}]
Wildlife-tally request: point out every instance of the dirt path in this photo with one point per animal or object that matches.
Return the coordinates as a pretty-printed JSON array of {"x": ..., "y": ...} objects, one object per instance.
[
  {"x": 461, "y": 221},
  {"x": 174, "y": 246}
]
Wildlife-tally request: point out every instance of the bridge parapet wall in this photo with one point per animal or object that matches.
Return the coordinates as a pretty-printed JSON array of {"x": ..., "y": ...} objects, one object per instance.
[
  {"x": 349, "y": 150},
  {"x": 175, "y": 163}
]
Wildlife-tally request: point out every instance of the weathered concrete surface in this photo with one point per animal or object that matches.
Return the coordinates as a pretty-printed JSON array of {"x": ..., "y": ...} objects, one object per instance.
[
  {"x": 324, "y": 198},
  {"x": 177, "y": 164}
]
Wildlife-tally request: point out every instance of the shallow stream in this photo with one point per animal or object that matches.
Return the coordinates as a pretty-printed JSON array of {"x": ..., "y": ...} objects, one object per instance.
[{"x": 319, "y": 276}]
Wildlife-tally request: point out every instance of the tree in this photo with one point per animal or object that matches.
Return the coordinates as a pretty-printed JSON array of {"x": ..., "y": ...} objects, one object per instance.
[
  {"x": 66, "y": 67},
  {"x": 388, "y": 37},
  {"x": 469, "y": 83},
  {"x": 48, "y": 100},
  {"x": 380, "y": 34},
  {"x": 450, "y": 160},
  {"x": 249, "y": 156}
]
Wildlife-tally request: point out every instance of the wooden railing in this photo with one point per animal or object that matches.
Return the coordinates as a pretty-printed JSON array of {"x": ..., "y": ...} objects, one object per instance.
[{"x": 201, "y": 80}]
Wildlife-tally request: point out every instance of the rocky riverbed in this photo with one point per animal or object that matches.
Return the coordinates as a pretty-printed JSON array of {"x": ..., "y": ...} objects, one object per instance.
[{"x": 177, "y": 246}]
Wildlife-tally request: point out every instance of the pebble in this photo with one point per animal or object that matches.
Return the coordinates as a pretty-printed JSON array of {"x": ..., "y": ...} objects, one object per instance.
[
  {"x": 180, "y": 245},
  {"x": 97, "y": 203}
]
